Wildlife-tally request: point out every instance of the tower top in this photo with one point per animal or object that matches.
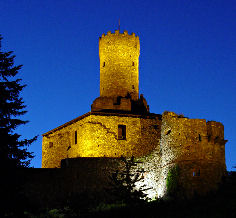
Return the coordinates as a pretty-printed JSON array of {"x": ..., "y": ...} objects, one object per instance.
[
  {"x": 117, "y": 32},
  {"x": 127, "y": 44},
  {"x": 119, "y": 61},
  {"x": 119, "y": 73}
]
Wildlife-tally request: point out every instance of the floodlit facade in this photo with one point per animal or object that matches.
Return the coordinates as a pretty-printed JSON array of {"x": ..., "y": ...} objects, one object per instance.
[{"x": 121, "y": 125}]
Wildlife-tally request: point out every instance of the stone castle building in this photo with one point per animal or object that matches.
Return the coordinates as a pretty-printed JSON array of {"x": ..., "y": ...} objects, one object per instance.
[{"x": 120, "y": 124}]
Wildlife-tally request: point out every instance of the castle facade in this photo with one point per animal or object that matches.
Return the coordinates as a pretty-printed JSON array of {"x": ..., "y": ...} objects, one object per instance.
[{"x": 121, "y": 125}]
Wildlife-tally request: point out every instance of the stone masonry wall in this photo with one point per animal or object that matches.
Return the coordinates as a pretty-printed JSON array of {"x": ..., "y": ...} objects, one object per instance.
[
  {"x": 119, "y": 63},
  {"x": 54, "y": 148},
  {"x": 86, "y": 178},
  {"x": 197, "y": 147},
  {"x": 110, "y": 103},
  {"x": 97, "y": 136}
]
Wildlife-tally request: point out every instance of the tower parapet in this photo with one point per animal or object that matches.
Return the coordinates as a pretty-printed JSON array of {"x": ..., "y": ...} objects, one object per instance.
[{"x": 119, "y": 65}]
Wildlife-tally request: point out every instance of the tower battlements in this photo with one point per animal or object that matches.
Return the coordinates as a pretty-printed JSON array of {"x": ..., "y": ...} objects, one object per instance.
[
  {"x": 130, "y": 40},
  {"x": 117, "y": 32}
]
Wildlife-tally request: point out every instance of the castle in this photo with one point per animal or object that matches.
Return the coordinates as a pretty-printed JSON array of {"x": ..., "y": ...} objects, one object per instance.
[{"x": 120, "y": 124}]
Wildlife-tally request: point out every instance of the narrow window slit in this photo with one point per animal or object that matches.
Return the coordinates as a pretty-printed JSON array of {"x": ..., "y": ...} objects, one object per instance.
[
  {"x": 199, "y": 137},
  {"x": 196, "y": 173},
  {"x": 50, "y": 144},
  {"x": 121, "y": 132},
  {"x": 75, "y": 137}
]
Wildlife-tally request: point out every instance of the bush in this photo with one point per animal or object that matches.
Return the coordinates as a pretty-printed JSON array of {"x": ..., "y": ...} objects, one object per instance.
[{"x": 172, "y": 182}]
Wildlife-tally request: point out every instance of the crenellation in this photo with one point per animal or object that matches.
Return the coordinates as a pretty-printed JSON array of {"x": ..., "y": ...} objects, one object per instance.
[
  {"x": 118, "y": 33},
  {"x": 215, "y": 129},
  {"x": 125, "y": 32}
]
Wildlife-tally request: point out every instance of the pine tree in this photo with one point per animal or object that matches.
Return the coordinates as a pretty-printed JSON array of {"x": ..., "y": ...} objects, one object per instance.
[
  {"x": 123, "y": 184},
  {"x": 13, "y": 150}
]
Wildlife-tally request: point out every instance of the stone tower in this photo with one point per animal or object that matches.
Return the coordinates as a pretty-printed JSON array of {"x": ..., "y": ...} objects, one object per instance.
[
  {"x": 119, "y": 63},
  {"x": 119, "y": 73}
]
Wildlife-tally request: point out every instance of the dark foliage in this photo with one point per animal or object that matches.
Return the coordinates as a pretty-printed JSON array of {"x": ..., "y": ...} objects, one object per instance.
[
  {"x": 13, "y": 150},
  {"x": 81, "y": 203},
  {"x": 123, "y": 184},
  {"x": 221, "y": 203},
  {"x": 13, "y": 199},
  {"x": 172, "y": 182}
]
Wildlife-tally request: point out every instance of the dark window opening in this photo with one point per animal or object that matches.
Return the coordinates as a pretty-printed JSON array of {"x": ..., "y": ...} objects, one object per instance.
[
  {"x": 132, "y": 86},
  {"x": 168, "y": 132},
  {"x": 121, "y": 132},
  {"x": 50, "y": 144},
  {"x": 196, "y": 172},
  {"x": 118, "y": 100},
  {"x": 155, "y": 126},
  {"x": 216, "y": 140},
  {"x": 103, "y": 64},
  {"x": 75, "y": 137},
  {"x": 199, "y": 137},
  {"x": 133, "y": 63}
]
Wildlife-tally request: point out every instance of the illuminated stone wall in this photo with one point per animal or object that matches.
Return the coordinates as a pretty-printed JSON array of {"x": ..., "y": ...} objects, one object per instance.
[
  {"x": 197, "y": 147},
  {"x": 54, "y": 148},
  {"x": 159, "y": 143},
  {"x": 111, "y": 103},
  {"x": 119, "y": 63},
  {"x": 97, "y": 136}
]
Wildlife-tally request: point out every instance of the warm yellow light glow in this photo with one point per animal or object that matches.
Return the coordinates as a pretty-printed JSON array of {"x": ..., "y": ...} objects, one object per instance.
[
  {"x": 149, "y": 183},
  {"x": 161, "y": 189}
]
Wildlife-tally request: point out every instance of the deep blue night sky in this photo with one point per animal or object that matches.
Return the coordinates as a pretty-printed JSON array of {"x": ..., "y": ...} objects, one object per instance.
[{"x": 187, "y": 59}]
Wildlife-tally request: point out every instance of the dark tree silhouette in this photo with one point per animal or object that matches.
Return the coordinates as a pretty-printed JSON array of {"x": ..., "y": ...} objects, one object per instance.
[
  {"x": 13, "y": 150},
  {"x": 123, "y": 184}
]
